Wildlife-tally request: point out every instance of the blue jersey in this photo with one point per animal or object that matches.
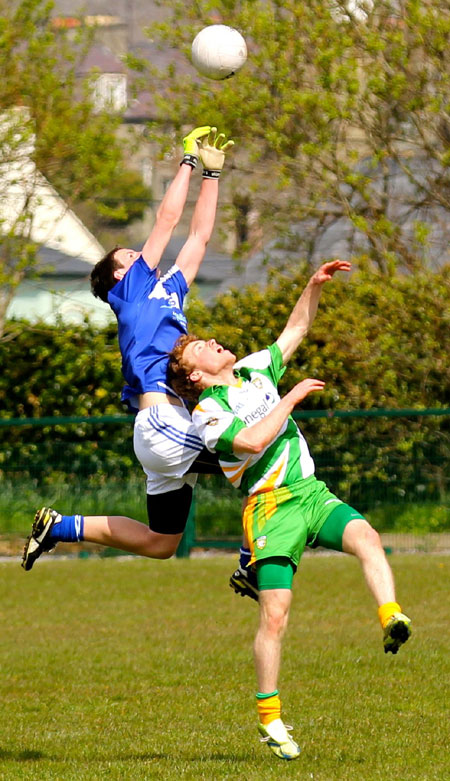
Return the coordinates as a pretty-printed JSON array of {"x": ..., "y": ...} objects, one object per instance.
[{"x": 150, "y": 319}]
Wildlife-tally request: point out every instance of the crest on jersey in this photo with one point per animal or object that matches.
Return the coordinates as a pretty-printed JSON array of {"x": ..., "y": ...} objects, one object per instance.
[
  {"x": 160, "y": 292},
  {"x": 261, "y": 542},
  {"x": 212, "y": 421}
]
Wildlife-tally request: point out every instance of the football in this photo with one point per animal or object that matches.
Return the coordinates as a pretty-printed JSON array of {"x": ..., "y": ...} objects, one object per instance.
[{"x": 218, "y": 51}]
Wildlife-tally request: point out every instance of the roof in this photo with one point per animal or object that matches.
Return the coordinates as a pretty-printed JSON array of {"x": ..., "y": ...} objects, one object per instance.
[
  {"x": 51, "y": 262},
  {"x": 101, "y": 58},
  {"x": 216, "y": 269}
]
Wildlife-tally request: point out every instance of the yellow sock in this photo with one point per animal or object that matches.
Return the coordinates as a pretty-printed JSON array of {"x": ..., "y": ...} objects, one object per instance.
[
  {"x": 269, "y": 709},
  {"x": 387, "y": 610}
]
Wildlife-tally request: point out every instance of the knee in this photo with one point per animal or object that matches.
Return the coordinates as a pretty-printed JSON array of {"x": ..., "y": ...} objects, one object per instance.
[
  {"x": 360, "y": 538},
  {"x": 370, "y": 537},
  {"x": 169, "y": 548},
  {"x": 162, "y": 546},
  {"x": 275, "y": 619},
  {"x": 275, "y": 625},
  {"x": 165, "y": 554}
]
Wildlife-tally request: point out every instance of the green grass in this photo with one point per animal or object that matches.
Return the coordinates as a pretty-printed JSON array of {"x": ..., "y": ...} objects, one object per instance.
[
  {"x": 218, "y": 506},
  {"x": 137, "y": 669}
]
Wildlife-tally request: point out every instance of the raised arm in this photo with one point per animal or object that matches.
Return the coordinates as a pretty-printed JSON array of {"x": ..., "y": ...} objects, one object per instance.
[
  {"x": 212, "y": 153},
  {"x": 304, "y": 312},
  {"x": 172, "y": 205},
  {"x": 193, "y": 251},
  {"x": 255, "y": 438}
]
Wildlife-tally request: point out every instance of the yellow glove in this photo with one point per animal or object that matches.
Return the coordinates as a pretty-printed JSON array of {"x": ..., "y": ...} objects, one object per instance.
[
  {"x": 212, "y": 153},
  {"x": 190, "y": 145}
]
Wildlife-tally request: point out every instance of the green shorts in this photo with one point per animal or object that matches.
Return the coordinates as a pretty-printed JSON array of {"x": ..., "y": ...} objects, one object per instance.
[
  {"x": 282, "y": 522},
  {"x": 276, "y": 572}
]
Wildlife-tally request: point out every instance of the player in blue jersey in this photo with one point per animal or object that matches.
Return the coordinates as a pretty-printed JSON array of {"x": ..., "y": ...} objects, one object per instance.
[{"x": 149, "y": 310}]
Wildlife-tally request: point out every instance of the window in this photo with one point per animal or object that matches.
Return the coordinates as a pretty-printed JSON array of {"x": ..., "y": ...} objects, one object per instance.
[{"x": 110, "y": 91}]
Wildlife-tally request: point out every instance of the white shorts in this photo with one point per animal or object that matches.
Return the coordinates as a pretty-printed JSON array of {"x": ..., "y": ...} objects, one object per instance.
[{"x": 166, "y": 443}]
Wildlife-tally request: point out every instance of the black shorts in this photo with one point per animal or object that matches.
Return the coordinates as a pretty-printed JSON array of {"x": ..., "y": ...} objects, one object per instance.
[
  {"x": 168, "y": 512},
  {"x": 206, "y": 463}
]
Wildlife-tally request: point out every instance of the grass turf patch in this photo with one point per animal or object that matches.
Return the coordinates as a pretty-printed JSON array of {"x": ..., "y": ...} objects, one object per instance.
[{"x": 138, "y": 669}]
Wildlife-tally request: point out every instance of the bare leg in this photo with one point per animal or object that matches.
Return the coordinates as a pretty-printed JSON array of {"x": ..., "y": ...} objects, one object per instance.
[
  {"x": 118, "y": 531},
  {"x": 274, "y": 607},
  {"x": 364, "y": 543}
]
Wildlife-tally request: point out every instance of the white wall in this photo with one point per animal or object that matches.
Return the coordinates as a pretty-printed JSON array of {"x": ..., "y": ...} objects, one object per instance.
[{"x": 48, "y": 300}]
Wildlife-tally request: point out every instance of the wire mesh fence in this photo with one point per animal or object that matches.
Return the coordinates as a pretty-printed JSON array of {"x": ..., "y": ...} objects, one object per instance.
[{"x": 392, "y": 465}]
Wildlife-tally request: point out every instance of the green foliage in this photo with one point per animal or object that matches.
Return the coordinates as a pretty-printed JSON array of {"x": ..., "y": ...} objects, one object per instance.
[
  {"x": 376, "y": 345},
  {"x": 217, "y": 508},
  {"x": 420, "y": 518},
  {"x": 59, "y": 370},
  {"x": 52, "y": 122},
  {"x": 331, "y": 108},
  {"x": 63, "y": 370},
  {"x": 125, "y": 200},
  {"x": 75, "y": 144}
]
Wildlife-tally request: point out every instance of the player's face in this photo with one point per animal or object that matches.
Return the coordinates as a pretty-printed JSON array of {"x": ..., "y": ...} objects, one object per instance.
[
  {"x": 126, "y": 257},
  {"x": 208, "y": 356}
]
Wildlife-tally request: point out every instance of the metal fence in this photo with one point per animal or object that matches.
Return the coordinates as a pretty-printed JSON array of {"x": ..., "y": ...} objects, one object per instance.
[{"x": 391, "y": 464}]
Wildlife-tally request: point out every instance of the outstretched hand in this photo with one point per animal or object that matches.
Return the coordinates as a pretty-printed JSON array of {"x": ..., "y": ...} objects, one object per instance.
[
  {"x": 212, "y": 149},
  {"x": 326, "y": 271},
  {"x": 304, "y": 388},
  {"x": 190, "y": 142}
]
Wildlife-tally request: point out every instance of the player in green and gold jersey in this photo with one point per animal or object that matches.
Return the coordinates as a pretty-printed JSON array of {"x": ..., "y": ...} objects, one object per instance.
[{"x": 241, "y": 417}]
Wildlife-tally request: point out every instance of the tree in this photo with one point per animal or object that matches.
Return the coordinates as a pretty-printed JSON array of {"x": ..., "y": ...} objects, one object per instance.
[
  {"x": 342, "y": 110},
  {"x": 376, "y": 345},
  {"x": 124, "y": 200},
  {"x": 50, "y": 131}
]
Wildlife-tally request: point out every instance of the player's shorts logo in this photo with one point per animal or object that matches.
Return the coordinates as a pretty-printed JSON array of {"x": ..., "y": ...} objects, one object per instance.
[{"x": 261, "y": 542}]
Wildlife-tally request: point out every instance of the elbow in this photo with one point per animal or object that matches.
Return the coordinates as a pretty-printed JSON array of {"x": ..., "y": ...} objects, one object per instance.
[
  {"x": 167, "y": 217},
  {"x": 201, "y": 237},
  {"x": 251, "y": 448}
]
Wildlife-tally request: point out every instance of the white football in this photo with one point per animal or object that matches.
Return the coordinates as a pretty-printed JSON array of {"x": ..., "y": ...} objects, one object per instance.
[{"x": 218, "y": 51}]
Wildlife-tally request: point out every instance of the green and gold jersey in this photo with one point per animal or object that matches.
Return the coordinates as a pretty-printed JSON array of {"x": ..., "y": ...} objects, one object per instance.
[{"x": 223, "y": 410}]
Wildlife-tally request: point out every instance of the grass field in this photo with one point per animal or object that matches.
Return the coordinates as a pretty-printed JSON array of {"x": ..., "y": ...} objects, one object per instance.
[{"x": 135, "y": 669}]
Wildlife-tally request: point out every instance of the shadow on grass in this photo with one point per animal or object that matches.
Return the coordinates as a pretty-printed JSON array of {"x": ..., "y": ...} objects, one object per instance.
[
  {"x": 146, "y": 756},
  {"x": 23, "y": 756},
  {"x": 28, "y": 755}
]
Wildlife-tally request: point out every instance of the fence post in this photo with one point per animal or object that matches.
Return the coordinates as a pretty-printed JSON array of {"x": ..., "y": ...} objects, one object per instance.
[{"x": 188, "y": 538}]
